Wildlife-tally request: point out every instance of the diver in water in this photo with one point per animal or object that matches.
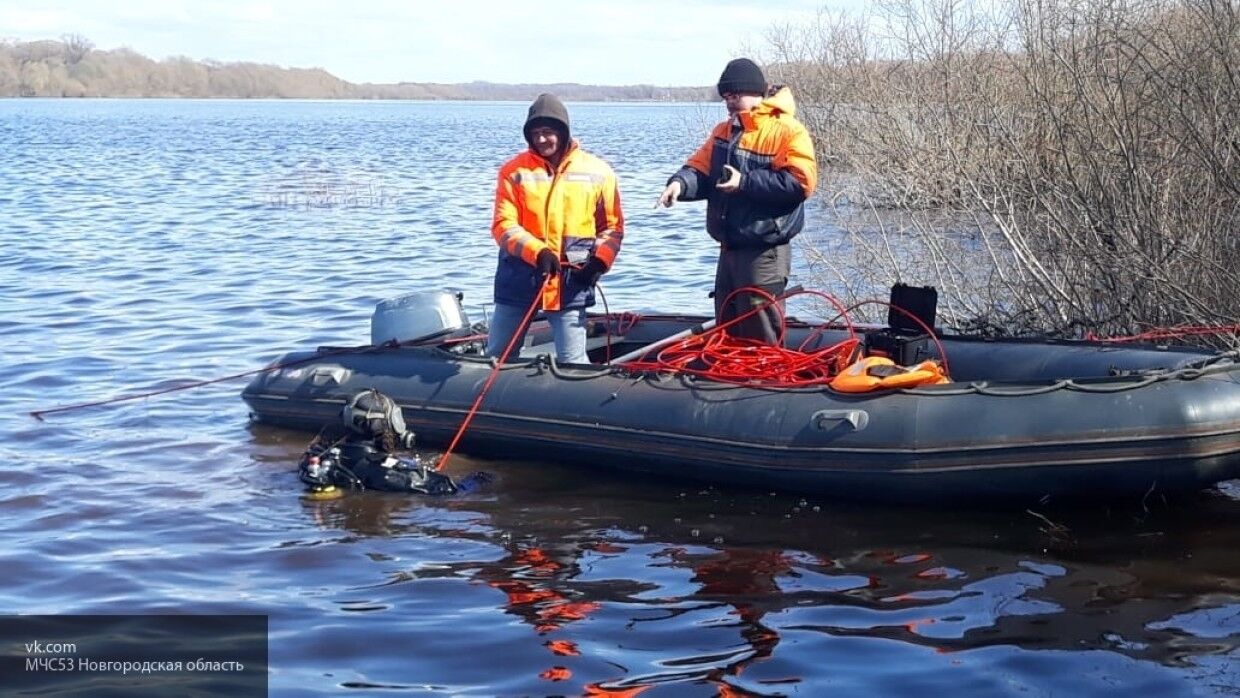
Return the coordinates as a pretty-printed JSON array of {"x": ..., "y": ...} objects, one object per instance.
[{"x": 363, "y": 458}]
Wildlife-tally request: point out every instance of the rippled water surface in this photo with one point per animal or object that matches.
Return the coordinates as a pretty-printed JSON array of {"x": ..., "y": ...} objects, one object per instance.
[{"x": 144, "y": 244}]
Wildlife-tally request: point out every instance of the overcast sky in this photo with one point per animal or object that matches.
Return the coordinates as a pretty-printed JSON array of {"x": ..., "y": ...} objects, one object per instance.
[{"x": 612, "y": 42}]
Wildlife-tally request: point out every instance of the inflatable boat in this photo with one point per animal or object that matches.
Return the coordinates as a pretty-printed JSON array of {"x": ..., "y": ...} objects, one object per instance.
[{"x": 1019, "y": 419}]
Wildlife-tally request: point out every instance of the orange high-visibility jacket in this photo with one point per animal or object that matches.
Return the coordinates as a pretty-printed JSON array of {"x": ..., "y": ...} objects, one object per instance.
[
  {"x": 775, "y": 156},
  {"x": 574, "y": 211}
]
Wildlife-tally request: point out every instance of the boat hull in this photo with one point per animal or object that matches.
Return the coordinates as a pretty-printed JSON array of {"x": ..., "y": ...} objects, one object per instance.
[{"x": 1085, "y": 438}]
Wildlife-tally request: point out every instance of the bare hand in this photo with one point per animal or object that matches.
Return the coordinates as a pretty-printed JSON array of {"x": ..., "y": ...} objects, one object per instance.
[
  {"x": 669, "y": 195},
  {"x": 730, "y": 182}
]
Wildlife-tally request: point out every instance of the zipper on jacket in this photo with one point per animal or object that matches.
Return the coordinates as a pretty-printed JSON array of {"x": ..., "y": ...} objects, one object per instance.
[{"x": 555, "y": 177}]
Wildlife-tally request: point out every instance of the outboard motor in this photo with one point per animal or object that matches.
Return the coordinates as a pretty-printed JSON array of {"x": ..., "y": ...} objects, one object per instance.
[
  {"x": 363, "y": 458},
  {"x": 420, "y": 316}
]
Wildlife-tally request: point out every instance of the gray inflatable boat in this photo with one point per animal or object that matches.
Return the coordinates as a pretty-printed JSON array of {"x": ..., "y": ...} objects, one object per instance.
[{"x": 1021, "y": 420}]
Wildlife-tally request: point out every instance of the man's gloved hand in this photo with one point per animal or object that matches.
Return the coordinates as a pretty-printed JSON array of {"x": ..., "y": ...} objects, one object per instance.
[
  {"x": 591, "y": 270},
  {"x": 547, "y": 263}
]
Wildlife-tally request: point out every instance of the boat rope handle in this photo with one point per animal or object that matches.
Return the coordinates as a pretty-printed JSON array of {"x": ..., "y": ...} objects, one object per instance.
[{"x": 1111, "y": 385}]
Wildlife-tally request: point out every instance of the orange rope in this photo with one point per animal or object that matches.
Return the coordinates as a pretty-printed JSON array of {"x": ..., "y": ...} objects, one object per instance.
[
  {"x": 716, "y": 355},
  {"x": 1168, "y": 333},
  {"x": 469, "y": 416}
]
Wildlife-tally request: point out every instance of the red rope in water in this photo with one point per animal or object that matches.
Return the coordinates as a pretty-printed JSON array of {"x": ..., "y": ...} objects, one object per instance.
[
  {"x": 38, "y": 414},
  {"x": 503, "y": 358}
]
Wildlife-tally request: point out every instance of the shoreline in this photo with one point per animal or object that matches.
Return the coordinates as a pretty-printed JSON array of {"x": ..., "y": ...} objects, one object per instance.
[{"x": 454, "y": 100}]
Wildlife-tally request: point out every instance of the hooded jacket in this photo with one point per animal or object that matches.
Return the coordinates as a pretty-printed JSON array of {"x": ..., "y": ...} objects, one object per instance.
[
  {"x": 775, "y": 156},
  {"x": 572, "y": 210}
]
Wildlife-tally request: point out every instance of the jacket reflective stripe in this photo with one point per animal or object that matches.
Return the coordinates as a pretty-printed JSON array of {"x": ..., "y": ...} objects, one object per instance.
[
  {"x": 515, "y": 240},
  {"x": 610, "y": 230},
  {"x": 748, "y": 160},
  {"x": 590, "y": 177},
  {"x": 608, "y": 246},
  {"x": 528, "y": 177}
]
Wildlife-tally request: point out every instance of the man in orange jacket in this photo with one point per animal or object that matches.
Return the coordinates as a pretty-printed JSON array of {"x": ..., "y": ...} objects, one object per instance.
[
  {"x": 755, "y": 171},
  {"x": 559, "y": 227}
]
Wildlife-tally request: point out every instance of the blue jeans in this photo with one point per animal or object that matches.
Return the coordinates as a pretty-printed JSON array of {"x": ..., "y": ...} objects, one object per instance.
[{"x": 568, "y": 328}]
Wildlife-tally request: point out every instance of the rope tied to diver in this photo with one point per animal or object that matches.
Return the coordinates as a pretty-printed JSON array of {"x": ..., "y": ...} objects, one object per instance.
[
  {"x": 39, "y": 414},
  {"x": 486, "y": 386}
]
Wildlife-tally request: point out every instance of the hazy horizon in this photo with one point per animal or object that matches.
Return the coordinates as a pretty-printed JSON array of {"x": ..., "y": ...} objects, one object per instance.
[{"x": 638, "y": 42}]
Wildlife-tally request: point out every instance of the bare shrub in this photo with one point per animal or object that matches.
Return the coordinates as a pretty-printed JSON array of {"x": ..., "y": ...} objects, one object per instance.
[
  {"x": 1051, "y": 165},
  {"x": 76, "y": 47}
]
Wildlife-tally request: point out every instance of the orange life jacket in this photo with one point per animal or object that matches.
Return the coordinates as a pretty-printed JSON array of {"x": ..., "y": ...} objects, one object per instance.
[{"x": 881, "y": 373}]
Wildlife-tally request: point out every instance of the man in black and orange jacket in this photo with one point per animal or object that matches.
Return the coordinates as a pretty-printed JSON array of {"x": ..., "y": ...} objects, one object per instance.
[
  {"x": 755, "y": 171},
  {"x": 558, "y": 225}
]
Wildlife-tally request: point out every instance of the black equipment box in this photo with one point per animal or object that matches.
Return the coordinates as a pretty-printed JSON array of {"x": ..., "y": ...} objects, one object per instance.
[
  {"x": 921, "y": 301},
  {"x": 904, "y": 349},
  {"x": 904, "y": 341}
]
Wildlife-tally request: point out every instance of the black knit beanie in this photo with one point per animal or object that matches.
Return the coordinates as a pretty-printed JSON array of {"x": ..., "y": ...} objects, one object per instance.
[
  {"x": 742, "y": 76},
  {"x": 548, "y": 110}
]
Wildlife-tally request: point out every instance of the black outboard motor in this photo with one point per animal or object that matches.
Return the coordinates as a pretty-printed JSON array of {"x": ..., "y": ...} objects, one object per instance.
[{"x": 363, "y": 458}]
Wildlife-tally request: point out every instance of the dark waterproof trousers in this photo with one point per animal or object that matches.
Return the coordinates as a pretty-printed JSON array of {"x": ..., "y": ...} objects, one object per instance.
[{"x": 766, "y": 268}]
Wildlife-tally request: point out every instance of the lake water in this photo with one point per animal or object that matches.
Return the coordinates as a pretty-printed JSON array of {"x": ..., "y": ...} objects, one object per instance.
[{"x": 148, "y": 243}]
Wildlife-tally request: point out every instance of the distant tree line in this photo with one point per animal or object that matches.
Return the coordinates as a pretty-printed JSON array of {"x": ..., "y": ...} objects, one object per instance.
[{"x": 73, "y": 67}]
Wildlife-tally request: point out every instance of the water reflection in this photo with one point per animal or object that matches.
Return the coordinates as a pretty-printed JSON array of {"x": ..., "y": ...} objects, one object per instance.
[
  {"x": 157, "y": 256},
  {"x": 624, "y": 588}
]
